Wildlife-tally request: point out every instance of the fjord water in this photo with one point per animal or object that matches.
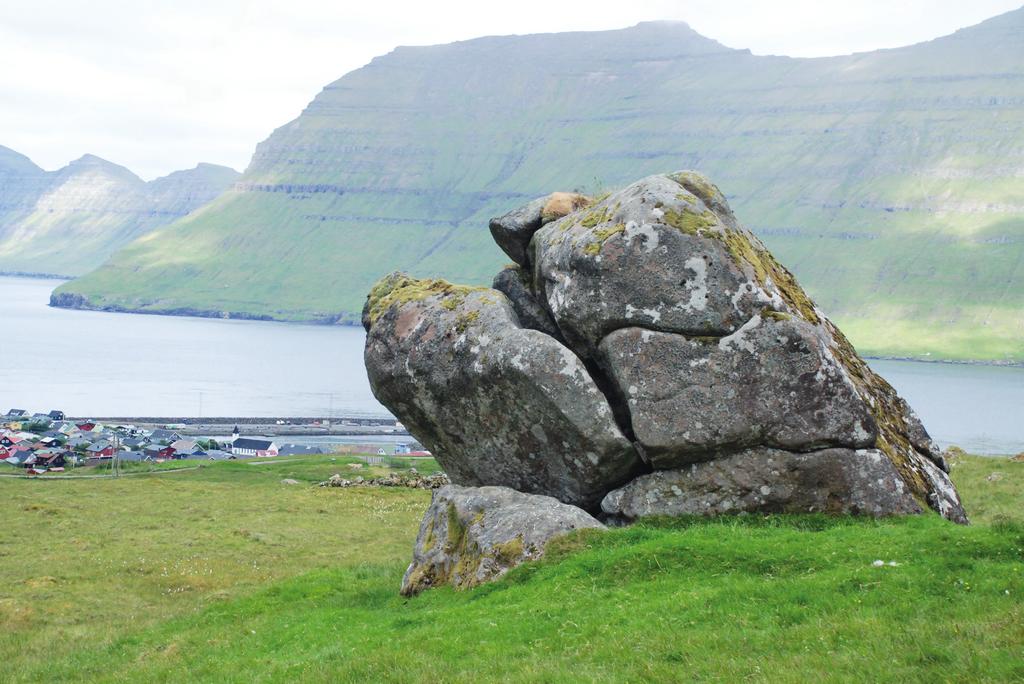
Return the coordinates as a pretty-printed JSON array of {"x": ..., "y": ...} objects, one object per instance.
[
  {"x": 104, "y": 364},
  {"x": 89, "y": 363}
]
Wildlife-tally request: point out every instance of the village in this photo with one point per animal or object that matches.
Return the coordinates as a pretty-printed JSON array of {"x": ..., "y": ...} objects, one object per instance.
[{"x": 41, "y": 443}]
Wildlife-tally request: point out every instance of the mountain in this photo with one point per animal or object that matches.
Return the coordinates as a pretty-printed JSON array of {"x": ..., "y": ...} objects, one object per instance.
[
  {"x": 891, "y": 182},
  {"x": 70, "y": 221}
]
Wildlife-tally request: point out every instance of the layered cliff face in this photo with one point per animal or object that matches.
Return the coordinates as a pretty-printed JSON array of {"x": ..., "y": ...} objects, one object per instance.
[
  {"x": 889, "y": 181},
  {"x": 69, "y": 221}
]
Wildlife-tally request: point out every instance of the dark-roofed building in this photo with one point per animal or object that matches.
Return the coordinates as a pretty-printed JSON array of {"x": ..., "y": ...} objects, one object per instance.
[
  {"x": 133, "y": 457},
  {"x": 296, "y": 449},
  {"x": 246, "y": 446},
  {"x": 158, "y": 451},
  {"x": 218, "y": 455},
  {"x": 17, "y": 413},
  {"x": 53, "y": 459},
  {"x": 56, "y": 415},
  {"x": 164, "y": 436}
]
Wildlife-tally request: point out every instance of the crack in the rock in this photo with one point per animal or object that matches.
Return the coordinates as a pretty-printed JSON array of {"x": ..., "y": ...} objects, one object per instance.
[{"x": 619, "y": 405}]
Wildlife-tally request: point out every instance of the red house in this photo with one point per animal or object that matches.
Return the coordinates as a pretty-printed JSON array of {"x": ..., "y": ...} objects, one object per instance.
[
  {"x": 156, "y": 452},
  {"x": 85, "y": 427},
  {"x": 102, "y": 449}
]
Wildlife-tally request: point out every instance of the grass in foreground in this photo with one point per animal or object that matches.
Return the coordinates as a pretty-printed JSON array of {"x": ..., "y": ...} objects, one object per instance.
[{"x": 251, "y": 580}]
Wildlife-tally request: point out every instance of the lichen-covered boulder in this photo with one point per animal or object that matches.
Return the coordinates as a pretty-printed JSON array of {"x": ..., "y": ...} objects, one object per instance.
[
  {"x": 513, "y": 231},
  {"x": 659, "y": 254},
  {"x": 773, "y": 382},
  {"x": 497, "y": 404},
  {"x": 863, "y": 482},
  {"x": 648, "y": 334},
  {"x": 472, "y": 535}
]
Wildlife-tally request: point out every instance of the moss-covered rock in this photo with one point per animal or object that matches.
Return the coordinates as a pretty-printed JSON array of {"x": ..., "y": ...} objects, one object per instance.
[
  {"x": 495, "y": 402},
  {"x": 472, "y": 535}
]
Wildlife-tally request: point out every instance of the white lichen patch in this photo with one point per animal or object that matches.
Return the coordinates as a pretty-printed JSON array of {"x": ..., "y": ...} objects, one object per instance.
[
  {"x": 752, "y": 290},
  {"x": 647, "y": 231},
  {"x": 739, "y": 338},
  {"x": 652, "y": 314},
  {"x": 696, "y": 286},
  {"x": 570, "y": 363}
]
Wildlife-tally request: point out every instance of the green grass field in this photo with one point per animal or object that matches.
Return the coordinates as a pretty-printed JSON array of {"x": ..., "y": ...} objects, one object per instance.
[{"x": 223, "y": 573}]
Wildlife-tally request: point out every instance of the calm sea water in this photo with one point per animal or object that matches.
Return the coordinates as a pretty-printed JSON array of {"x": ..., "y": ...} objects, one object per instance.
[
  {"x": 108, "y": 364},
  {"x": 90, "y": 363}
]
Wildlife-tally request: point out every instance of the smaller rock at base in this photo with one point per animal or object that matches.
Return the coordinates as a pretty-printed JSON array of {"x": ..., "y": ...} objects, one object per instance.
[{"x": 472, "y": 535}]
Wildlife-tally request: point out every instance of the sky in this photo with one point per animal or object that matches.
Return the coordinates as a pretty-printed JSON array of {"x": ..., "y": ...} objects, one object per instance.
[{"x": 160, "y": 86}]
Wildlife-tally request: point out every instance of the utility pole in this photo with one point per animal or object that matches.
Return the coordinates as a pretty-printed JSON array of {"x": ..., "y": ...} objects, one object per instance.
[{"x": 115, "y": 460}]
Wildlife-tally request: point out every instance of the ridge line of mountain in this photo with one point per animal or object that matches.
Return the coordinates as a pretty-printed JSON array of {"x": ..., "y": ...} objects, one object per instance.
[
  {"x": 70, "y": 220},
  {"x": 399, "y": 164}
]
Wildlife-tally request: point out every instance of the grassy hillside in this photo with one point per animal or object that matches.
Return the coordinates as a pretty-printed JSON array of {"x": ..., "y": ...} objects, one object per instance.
[
  {"x": 888, "y": 181},
  {"x": 226, "y": 574},
  {"x": 69, "y": 221}
]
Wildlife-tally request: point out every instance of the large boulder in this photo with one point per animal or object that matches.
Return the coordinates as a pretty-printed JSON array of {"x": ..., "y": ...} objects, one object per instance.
[
  {"x": 647, "y": 334},
  {"x": 497, "y": 404},
  {"x": 472, "y": 535}
]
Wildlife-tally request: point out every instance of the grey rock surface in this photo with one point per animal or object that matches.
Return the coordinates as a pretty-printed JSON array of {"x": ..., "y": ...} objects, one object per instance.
[
  {"x": 862, "y": 482},
  {"x": 514, "y": 283},
  {"x": 774, "y": 382},
  {"x": 495, "y": 403},
  {"x": 472, "y": 535},
  {"x": 653, "y": 255},
  {"x": 647, "y": 331},
  {"x": 513, "y": 231}
]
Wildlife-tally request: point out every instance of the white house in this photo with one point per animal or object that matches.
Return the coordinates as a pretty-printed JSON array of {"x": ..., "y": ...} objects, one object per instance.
[{"x": 245, "y": 446}]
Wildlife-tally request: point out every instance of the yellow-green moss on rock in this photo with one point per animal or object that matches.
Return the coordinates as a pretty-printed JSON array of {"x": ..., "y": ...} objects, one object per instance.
[{"x": 397, "y": 289}]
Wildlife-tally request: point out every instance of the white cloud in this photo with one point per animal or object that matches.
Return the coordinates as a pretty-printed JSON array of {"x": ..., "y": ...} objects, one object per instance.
[{"x": 158, "y": 86}]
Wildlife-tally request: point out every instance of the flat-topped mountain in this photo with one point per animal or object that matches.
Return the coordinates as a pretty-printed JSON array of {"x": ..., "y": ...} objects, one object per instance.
[
  {"x": 889, "y": 181},
  {"x": 69, "y": 221}
]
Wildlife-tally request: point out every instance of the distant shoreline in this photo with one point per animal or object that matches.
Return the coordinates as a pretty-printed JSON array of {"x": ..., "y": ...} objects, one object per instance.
[
  {"x": 62, "y": 302},
  {"x": 949, "y": 362},
  {"x": 75, "y": 302},
  {"x": 37, "y": 276}
]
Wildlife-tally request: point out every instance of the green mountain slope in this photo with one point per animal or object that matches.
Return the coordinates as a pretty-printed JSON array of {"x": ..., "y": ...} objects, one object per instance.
[
  {"x": 71, "y": 220},
  {"x": 891, "y": 182}
]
